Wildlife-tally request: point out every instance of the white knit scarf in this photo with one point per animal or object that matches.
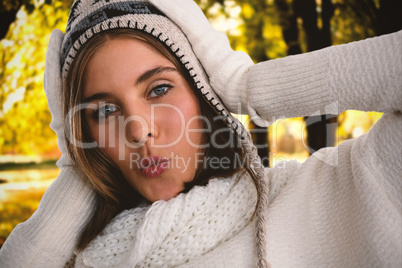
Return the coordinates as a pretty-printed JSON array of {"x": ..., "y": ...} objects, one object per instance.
[{"x": 169, "y": 233}]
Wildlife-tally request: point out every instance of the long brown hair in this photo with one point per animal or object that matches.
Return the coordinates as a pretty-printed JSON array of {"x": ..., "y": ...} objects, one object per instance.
[{"x": 113, "y": 193}]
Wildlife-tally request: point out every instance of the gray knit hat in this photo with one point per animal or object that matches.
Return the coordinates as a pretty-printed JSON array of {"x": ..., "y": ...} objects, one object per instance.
[{"x": 90, "y": 17}]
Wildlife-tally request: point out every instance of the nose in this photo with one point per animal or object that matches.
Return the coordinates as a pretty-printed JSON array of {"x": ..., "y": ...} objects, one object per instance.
[{"x": 139, "y": 126}]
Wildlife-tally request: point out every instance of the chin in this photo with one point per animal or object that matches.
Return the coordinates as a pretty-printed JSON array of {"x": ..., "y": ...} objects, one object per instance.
[{"x": 162, "y": 195}]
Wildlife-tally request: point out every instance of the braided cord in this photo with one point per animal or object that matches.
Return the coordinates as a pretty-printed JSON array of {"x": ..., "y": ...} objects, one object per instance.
[{"x": 263, "y": 190}]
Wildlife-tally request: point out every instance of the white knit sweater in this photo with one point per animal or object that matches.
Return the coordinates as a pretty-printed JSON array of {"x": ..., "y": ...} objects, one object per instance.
[{"x": 340, "y": 208}]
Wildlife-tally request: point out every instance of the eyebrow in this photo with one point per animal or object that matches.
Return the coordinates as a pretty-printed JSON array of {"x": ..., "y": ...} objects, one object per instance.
[
  {"x": 97, "y": 96},
  {"x": 154, "y": 71},
  {"x": 144, "y": 77}
]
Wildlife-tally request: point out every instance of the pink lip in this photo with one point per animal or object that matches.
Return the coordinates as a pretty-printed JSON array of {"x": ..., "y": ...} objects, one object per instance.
[{"x": 153, "y": 166}]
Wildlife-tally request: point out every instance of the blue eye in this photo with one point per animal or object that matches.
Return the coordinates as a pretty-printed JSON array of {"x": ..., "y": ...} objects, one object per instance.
[
  {"x": 159, "y": 90},
  {"x": 106, "y": 110}
]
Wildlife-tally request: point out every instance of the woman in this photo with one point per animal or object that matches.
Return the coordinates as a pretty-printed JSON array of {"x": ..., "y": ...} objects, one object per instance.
[
  {"x": 152, "y": 142},
  {"x": 342, "y": 207}
]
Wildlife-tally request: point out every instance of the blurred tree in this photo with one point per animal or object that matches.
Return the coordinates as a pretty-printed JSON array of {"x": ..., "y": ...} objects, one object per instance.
[
  {"x": 9, "y": 9},
  {"x": 304, "y": 24},
  {"x": 8, "y": 14},
  {"x": 389, "y": 16},
  {"x": 255, "y": 30},
  {"x": 288, "y": 21},
  {"x": 254, "y": 14},
  {"x": 320, "y": 129},
  {"x": 381, "y": 16},
  {"x": 315, "y": 17},
  {"x": 263, "y": 28},
  {"x": 24, "y": 116}
]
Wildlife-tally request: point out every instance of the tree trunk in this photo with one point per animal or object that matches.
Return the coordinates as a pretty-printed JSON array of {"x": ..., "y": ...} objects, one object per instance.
[
  {"x": 7, "y": 17},
  {"x": 328, "y": 10},
  {"x": 321, "y": 130},
  {"x": 308, "y": 13},
  {"x": 383, "y": 20},
  {"x": 389, "y": 16},
  {"x": 254, "y": 31},
  {"x": 260, "y": 136},
  {"x": 290, "y": 30}
]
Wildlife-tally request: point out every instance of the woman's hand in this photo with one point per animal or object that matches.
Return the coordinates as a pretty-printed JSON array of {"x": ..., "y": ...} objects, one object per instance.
[{"x": 227, "y": 69}]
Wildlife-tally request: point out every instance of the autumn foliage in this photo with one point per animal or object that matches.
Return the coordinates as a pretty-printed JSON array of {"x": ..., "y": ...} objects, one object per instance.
[{"x": 266, "y": 29}]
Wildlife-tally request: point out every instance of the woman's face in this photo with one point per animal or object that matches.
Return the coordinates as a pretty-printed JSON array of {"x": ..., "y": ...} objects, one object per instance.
[{"x": 144, "y": 115}]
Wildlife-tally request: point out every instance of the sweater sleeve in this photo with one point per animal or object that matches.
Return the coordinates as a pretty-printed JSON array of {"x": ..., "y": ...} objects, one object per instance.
[
  {"x": 351, "y": 192},
  {"x": 49, "y": 236},
  {"x": 364, "y": 75}
]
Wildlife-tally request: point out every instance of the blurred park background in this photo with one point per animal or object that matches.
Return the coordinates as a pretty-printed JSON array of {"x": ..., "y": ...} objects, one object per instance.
[{"x": 266, "y": 29}]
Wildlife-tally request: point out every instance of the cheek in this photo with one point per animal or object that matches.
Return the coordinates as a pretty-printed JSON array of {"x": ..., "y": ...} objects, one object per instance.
[
  {"x": 94, "y": 129},
  {"x": 183, "y": 118},
  {"x": 194, "y": 121},
  {"x": 107, "y": 137}
]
